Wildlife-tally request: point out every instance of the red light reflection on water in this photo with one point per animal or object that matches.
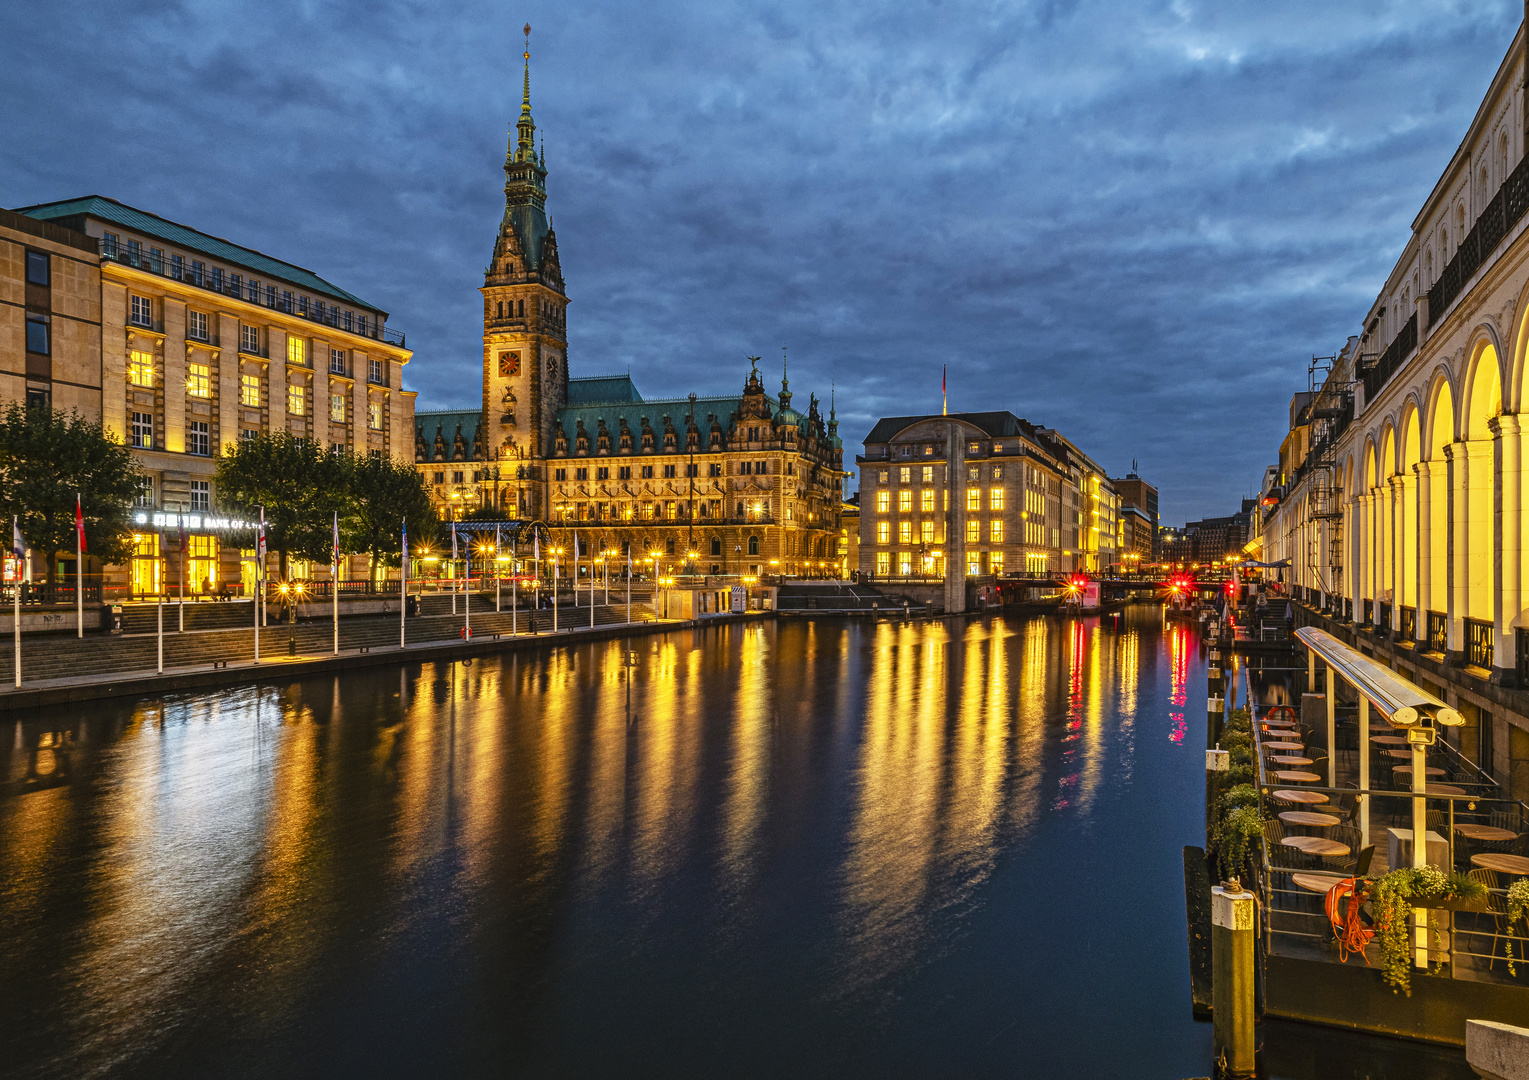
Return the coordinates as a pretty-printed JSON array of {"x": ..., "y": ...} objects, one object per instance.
[{"x": 1178, "y": 651}]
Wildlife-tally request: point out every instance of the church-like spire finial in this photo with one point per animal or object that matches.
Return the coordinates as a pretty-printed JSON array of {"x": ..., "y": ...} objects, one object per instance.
[
  {"x": 785, "y": 387},
  {"x": 525, "y": 143}
]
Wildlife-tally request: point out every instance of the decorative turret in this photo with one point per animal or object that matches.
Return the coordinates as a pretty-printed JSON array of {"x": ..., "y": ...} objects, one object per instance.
[
  {"x": 521, "y": 248},
  {"x": 785, "y": 384}
]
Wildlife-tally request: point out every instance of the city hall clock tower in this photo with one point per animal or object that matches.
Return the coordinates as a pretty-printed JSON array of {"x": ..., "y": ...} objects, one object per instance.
[{"x": 525, "y": 337}]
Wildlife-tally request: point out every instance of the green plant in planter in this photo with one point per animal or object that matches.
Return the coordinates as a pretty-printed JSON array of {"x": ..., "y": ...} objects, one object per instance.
[
  {"x": 1392, "y": 899},
  {"x": 1239, "y": 830},
  {"x": 1518, "y": 908}
]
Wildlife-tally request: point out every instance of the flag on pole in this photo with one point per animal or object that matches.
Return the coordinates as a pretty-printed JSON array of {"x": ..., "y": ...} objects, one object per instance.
[
  {"x": 406, "y": 542},
  {"x": 536, "y": 544},
  {"x": 260, "y": 543},
  {"x": 18, "y": 546},
  {"x": 453, "y": 542},
  {"x": 337, "y": 538},
  {"x": 79, "y": 523}
]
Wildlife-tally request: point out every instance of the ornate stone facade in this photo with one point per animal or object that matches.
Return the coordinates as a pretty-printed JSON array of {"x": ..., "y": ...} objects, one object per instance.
[{"x": 740, "y": 484}]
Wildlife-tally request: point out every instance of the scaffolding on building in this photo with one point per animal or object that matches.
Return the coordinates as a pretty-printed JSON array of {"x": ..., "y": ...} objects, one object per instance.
[{"x": 1329, "y": 410}]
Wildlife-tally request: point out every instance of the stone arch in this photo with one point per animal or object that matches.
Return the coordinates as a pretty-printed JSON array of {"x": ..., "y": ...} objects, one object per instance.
[
  {"x": 1481, "y": 388},
  {"x": 1518, "y": 353},
  {"x": 1438, "y": 415}
]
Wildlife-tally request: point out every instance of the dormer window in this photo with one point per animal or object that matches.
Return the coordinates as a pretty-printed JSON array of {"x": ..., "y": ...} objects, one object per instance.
[{"x": 647, "y": 440}]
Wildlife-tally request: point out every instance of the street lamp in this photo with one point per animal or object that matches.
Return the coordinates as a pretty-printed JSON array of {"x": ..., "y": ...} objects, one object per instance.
[{"x": 291, "y": 595}]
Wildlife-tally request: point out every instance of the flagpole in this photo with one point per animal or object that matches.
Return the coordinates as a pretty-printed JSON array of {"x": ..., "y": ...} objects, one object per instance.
[
  {"x": 180, "y": 613},
  {"x": 514, "y": 589},
  {"x": 259, "y": 589},
  {"x": 453, "y": 568},
  {"x": 629, "y": 581},
  {"x": 334, "y": 583},
  {"x": 403, "y": 586},
  {"x": 18, "y": 550},
  {"x": 498, "y": 572},
  {"x": 467, "y": 593},
  {"x": 159, "y": 612},
  {"x": 79, "y": 563},
  {"x": 555, "y": 561}
]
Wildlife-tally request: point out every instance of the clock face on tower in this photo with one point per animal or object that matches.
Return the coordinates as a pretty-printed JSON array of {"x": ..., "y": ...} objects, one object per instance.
[
  {"x": 509, "y": 364},
  {"x": 552, "y": 367}
]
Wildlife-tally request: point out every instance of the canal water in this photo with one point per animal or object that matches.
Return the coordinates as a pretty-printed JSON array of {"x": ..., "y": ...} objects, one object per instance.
[{"x": 805, "y": 849}]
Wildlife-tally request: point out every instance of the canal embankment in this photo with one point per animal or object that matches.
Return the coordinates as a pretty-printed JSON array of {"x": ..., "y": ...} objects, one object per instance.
[{"x": 96, "y": 668}]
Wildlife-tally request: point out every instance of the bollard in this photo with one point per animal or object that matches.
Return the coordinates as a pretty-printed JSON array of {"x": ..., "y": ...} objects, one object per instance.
[{"x": 1231, "y": 950}]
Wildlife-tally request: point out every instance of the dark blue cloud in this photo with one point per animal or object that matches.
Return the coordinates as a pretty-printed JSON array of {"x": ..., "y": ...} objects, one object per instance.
[{"x": 1133, "y": 222}]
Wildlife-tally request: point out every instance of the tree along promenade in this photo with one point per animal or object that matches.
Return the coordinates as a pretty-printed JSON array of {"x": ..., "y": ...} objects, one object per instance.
[{"x": 60, "y": 668}]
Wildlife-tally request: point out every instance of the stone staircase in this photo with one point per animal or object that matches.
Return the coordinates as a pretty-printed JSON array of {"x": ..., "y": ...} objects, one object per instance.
[{"x": 59, "y": 657}]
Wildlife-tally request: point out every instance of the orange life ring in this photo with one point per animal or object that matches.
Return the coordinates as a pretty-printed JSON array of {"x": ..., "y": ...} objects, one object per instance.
[
  {"x": 1351, "y": 933},
  {"x": 466, "y": 632}
]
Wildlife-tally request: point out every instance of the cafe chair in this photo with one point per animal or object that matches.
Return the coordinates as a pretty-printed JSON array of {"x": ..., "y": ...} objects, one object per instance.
[{"x": 1497, "y": 908}]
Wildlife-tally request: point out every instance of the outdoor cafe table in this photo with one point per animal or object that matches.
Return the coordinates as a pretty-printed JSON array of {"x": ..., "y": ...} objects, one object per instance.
[
  {"x": 1316, "y": 882},
  {"x": 1399, "y": 755},
  {"x": 1430, "y": 770},
  {"x": 1297, "y": 776},
  {"x": 1388, "y": 740},
  {"x": 1445, "y": 789},
  {"x": 1489, "y": 833},
  {"x": 1284, "y": 746},
  {"x": 1306, "y": 817},
  {"x": 1320, "y": 845},
  {"x": 1503, "y": 864},
  {"x": 1293, "y": 760},
  {"x": 1284, "y": 795}
]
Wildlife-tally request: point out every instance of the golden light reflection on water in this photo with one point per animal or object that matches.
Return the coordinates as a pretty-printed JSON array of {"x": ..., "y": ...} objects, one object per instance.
[{"x": 917, "y": 753}]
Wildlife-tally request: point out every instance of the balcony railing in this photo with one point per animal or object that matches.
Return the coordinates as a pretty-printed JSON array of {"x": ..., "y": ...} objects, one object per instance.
[
  {"x": 35, "y": 593},
  {"x": 1409, "y": 627},
  {"x": 1495, "y": 222},
  {"x": 1438, "y": 632},
  {"x": 1478, "y": 643},
  {"x": 249, "y": 291}
]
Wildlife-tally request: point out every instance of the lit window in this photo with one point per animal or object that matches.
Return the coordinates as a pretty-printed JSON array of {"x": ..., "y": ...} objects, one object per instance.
[
  {"x": 905, "y": 474},
  {"x": 995, "y": 499},
  {"x": 905, "y": 501},
  {"x": 926, "y": 500},
  {"x": 973, "y": 531},
  {"x": 296, "y": 400},
  {"x": 928, "y": 532},
  {"x": 928, "y": 474},
  {"x": 883, "y": 475},
  {"x": 374, "y": 416},
  {"x": 905, "y": 532},
  {"x": 337, "y": 408},
  {"x": 198, "y": 380},
  {"x": 974, "y": 498},
  {"x": 883, "y": 562},
  {"x": 140, "y": 368},
  {"x": 997, "y": 469},
  {"x": 995, "y": 562},
  {"x": 905, "y": 563},
  {"x": 249, "y": 390},
  {"x": 883, "y": 532},
  {"x": 297, "y": 350},
  {"x": 143, "y": 430},
  {"x": 995, "y": 531},
  {"x": 883, "y": 501}
]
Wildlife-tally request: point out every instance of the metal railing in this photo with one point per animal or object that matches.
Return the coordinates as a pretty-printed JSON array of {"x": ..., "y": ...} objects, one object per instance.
[
  {"x": 1438, "y": 632},
  {"x": 248, "y": 290},
  {"x": 1500, "y": 215},
  {"x": 1409, "y": 626},
  {"x": 1478, "y": 643},
  {"x": 40, "y": 593},
  {"x": 1395, "y": 355}
]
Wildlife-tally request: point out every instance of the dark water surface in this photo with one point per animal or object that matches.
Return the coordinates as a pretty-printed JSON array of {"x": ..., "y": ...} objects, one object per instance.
[{"x": 813, "y": 850}]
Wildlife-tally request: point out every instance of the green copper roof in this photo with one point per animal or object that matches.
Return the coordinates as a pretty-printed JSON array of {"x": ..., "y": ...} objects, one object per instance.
[
  {"x": 182, "y": 236},
  {"x": 598, "y": 388},
  {"x": 447, "y": 423}
]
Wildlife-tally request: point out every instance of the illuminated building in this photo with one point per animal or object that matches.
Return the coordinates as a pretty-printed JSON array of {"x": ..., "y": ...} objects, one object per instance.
[
  {"x": 202, "y": 342},
  {"x": 1023, "y": 499},
  {"x": 734, "y": 484}
]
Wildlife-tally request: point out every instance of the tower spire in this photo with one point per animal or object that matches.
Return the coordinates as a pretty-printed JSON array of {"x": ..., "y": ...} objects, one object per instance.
[
  {"x": 525, "y": 143},
  {"x": 785, "y": 385}
]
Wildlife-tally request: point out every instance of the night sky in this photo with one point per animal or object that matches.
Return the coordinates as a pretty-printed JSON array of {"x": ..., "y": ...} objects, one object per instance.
[{"x": 1131, "y": 221}]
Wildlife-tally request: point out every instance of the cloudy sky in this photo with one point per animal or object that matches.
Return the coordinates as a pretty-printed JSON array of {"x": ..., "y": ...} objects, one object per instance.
[{"x": 1132, "y": 221}]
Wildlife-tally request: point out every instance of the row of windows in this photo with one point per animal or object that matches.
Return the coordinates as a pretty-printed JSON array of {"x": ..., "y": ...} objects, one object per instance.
[
  {"x": 669, "y": 472},
  {"x": 913, "y": 563},
  {"x": 661, "y": 509},
  {"x": 140, "y": 372},
  {"x": 197, "y": 273},
  {"x": 927, "y": 532},
  {"x": 141, "y": 314}
]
